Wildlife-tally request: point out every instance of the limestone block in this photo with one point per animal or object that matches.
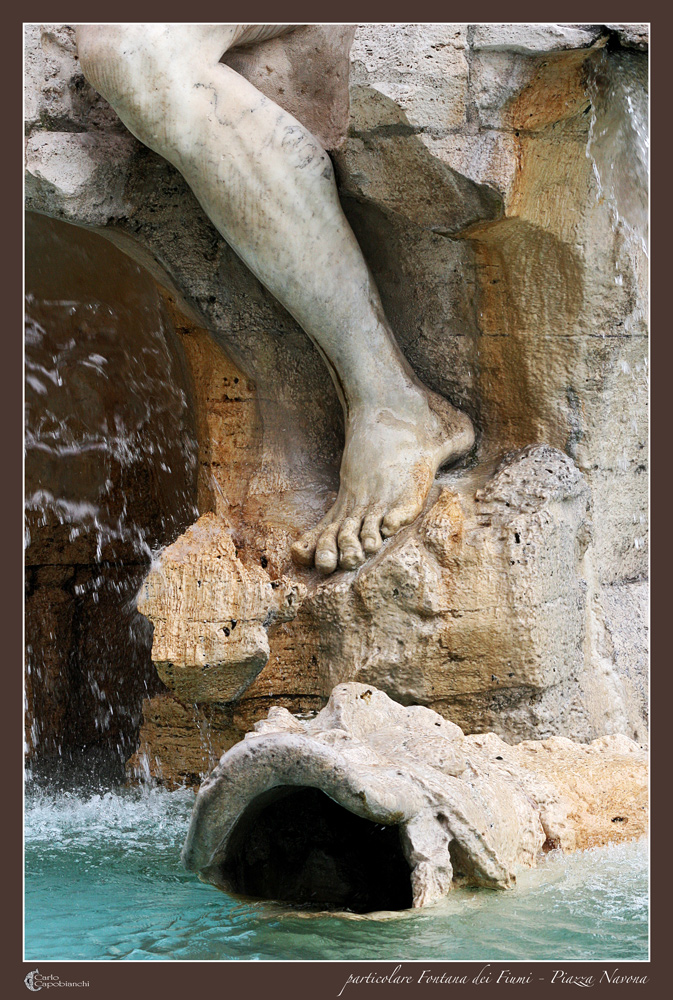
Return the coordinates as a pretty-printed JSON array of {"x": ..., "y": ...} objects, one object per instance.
[
  {"x": 422, "y": 68},
  {"x": 621, "y": 623},
  {"x": 56, "y": 93},
  {"x": 534, "y": 38},
  {"x": 471, "y": 809},
  {"x": 589, "y": 794},
  {"x": 77, "y": 151},
  {"x": 631, "y": 36},
  {"x": 79, "y": 175},
  {"x": 179, "y": 743},
  {"x": 384, "y": 161},
  {"x": 211, "y": 614}
]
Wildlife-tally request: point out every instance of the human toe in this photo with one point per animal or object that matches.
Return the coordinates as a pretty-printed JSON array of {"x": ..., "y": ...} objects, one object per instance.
[
  {"x": 326, "y": 555},
  {"x": 370, "y": 534},
  {"x": 350, "y": 551},
  {"x": 303, "y": 550},
  {"x": 400, "y": 516}
]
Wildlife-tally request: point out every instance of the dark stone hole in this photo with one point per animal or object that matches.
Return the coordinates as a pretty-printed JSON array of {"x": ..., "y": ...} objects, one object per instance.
[{"x": 296, "y": 845}]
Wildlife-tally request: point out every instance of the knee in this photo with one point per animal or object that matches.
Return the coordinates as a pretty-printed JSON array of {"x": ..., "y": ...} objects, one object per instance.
[
  {"x": 107, "y": 53},
  {"x": 127, "y": 65}
]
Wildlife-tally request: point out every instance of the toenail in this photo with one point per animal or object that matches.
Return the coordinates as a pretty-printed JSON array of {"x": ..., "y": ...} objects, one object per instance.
[{"x": 326, "y": 561}]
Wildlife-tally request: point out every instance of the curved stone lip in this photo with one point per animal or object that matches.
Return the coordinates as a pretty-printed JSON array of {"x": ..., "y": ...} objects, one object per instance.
[{"x": 251, "y": 768}]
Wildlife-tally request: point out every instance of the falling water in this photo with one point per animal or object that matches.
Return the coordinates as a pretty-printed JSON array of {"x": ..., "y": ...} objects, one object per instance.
[
  {"x": 618, "y": 150},
  {"x": 618, "y": 144},
  {"x": 110, "y": 478}
]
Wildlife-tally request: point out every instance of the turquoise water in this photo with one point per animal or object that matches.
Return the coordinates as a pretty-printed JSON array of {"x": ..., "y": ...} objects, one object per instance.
[{"x": 104, "y": 881}]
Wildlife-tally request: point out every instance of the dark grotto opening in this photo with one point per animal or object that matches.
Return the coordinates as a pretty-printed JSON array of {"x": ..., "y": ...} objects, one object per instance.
[{"x": 296, "y": 845}]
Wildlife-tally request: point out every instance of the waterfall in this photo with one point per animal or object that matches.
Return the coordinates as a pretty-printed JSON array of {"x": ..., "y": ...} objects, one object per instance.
[
  {"x": 618, "y": 144},
  {"x": 110, "y": 478}
]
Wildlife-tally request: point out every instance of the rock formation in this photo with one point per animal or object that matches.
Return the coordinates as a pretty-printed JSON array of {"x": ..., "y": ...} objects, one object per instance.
[
  {"x": 470, "y": 166},
  {"x": 211, "y": 614},
  {"x": 373, "y": 806}
]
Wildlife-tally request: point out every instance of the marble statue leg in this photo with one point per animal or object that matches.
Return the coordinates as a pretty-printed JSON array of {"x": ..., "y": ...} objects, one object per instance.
[{"x": 268, "y": 186}]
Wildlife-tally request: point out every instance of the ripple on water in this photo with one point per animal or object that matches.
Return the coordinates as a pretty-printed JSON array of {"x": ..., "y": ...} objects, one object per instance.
[{"x": 104, "y": 881}]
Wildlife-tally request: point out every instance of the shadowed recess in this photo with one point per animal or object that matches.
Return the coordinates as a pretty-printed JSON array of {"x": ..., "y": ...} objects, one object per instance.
[{"x": 296, "y": 845}]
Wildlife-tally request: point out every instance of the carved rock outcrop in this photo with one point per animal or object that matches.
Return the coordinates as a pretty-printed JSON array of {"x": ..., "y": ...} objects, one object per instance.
[
  {"x": 211, "y": 613},
  {"x": 411, "y": 788},
  {"x": 462, "y": 611}
]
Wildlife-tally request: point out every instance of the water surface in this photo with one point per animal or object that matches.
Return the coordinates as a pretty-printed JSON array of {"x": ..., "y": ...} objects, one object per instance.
[{"x": 104, "y": 881}]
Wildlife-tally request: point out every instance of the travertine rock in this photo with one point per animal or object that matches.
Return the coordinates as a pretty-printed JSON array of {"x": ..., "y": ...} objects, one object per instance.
[
  {"x": 535, "y": 38},
  {"x": 560, "y": 312},
  {"x": 401, "y": 176},
  {"x": 211, "y": 614},
  {"x": 462, "y": 611},
  {"x": 467, "y": 807},
  {"x": 634, "y": 35}
]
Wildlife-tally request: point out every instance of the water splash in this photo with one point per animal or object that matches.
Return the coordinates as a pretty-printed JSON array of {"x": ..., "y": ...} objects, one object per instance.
[{"x": 127, "y": 818}]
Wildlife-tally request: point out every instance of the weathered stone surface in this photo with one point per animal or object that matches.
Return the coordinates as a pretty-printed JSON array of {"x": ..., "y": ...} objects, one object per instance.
[
  {"x": 423, "y": 69},
  {"x": 462, "y": 610},
  {"x": 534, "y": 38},
  {"x": 619, "y": 623},
  {"x": 305, "y": 72},
  {"x": 471, "y": 176},
  {"x": 589, "y": 794},
  {"x": 211, "y": 614},
  {"x": 180, "y": 744},
  {"x": 471, "y": 807},
  {"x": 549, "y": 37},
  {"x": 384, "y": 162},
  {"x": 632, "y": 36}
]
